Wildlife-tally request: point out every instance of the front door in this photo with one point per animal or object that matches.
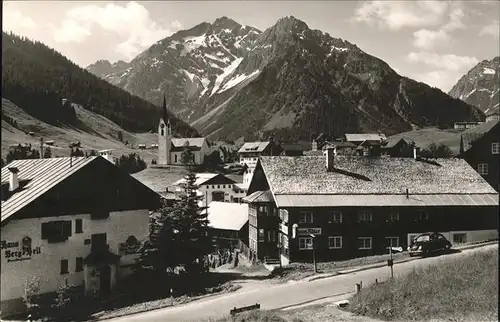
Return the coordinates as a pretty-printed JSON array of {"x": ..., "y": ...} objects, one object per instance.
[{"x": 104, "y": 279}]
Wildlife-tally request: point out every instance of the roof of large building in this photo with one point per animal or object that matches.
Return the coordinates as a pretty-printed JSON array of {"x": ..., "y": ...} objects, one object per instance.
[
  {"x": 42, "y": 175},
  {"x": 364, "y": 175},
  {"x": 160, "y": 178},
  {"x": 362, "y": 181},
  {"x": 364, "y": 137},
  {"x": 203, "y": 178},
  {"x": 249, "y": 147},
  {"x": 477, "y": 132},
  {"x": 180, "y": 142},
  {"x": 227, "y": 215}
]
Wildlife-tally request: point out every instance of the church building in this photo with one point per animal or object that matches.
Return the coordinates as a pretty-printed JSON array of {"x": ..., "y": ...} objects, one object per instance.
[{"x": 170, "y": 149}]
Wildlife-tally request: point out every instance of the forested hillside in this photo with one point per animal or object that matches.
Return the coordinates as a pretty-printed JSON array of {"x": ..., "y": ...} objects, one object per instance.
[{"x": 37, "y": 79}]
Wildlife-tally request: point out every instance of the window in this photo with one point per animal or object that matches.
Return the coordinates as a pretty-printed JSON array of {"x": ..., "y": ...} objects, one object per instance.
[
  {"x": 218, "y": 186},
  {"x": 26, "y": 242},
  {"x": 305, "y": 217},
  {"x": 335, "y": 242},
  {"x": 364, "y": 243},
  {"x": 224, "y": 186},
  {"x": 422, "y": 215},
  {"x": 364, "y": 216},
  {"x": 392, "y": 216},
  {"x": 64, "y": 266},
  {"x": 459, "y": 238},
  {"x": 495, "y": 148},
  {"x": 392, "y": 241},
  {"x": 78, "y": 226},
  {"x": 336, "y": 217},
  {"x": 261, "y": 235},
  {"x": 271, "y": 235},
  {"x": 79, "y": 264},
  {"x": 56, "y": 231},
  {"x": 482, "y": 168},
  {"x": 263, "y": 210},
  {"x": 305, "y": 243}
]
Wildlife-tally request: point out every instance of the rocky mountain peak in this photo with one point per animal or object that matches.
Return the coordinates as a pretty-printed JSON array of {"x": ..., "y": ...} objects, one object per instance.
[{"x": 480, "y": 86}]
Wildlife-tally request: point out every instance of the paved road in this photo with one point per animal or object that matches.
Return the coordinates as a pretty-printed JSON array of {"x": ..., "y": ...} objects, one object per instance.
[{"x": 285, "y": 295}]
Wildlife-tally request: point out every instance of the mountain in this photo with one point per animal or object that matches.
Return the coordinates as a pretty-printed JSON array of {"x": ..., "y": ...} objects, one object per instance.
[
  {"x": 102, "y": 68},
  {"x": 479, "y": 87},
  {"x": 37, "y": 79},
  {"x": 231, "y": 81}
]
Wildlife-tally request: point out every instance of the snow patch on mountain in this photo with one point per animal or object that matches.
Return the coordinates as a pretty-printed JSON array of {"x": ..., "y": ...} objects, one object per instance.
[
  {"x": 192, "y": 43},
  {"x": 227, "y": 71},
  {"x": 236, "y": 80},
  {"x": 488, "y": 71}
]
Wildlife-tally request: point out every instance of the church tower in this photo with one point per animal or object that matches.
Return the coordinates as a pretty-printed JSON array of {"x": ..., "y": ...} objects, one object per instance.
[{"x": 164, "y": 136}]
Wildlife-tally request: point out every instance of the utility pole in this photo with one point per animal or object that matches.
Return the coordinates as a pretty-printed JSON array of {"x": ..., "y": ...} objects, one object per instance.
[
  {"x": 314, "y": 254},
  {"x": 41, "y": 147},
  {"x": 391, "y": 263}
]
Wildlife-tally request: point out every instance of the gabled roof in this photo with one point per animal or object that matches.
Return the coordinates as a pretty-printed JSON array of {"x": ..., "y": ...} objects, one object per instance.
[
  {"x": 253, "y": 147},
  {"x": 43, "y": 174},
  {"x": 360, "y": 137},
  {"x": 227, "y": 215},
  {"x": 340, "y": 144},
  {"x": 259, "y": 196},
  {"x": 477, "y": 132},
  {"x": 159, "y": 179},
  {"x": 180, "y": 142},
  {"x": 306, "y": 175}
]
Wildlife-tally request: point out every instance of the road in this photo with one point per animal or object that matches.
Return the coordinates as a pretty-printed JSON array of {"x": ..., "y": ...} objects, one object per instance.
[{"x": 286, "y": 295}]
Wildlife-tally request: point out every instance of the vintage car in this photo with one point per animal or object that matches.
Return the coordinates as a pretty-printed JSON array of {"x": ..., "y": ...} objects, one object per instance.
[{"x": 427, "y": 243}]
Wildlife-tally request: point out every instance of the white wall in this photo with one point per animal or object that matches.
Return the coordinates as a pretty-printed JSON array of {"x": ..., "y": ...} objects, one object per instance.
[
  {"x": 471, "y": 235},
  {"x": 46, "y": 266}
]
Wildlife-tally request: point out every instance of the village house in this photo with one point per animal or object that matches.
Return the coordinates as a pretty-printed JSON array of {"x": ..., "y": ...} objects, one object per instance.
[
  {"x": 73, "y": 219},
  {"x": 249, "y": 154},
  {"x": 399, "y": 147},
  {"x": 358, "y": 138},
  {"x": 465, "y": 125},
  {"x": 107, "y": 154},
  {"x": 228, "y": 224},
  {"x": 213, "y": 187},
  {"x": 353, "y": 206},
  {"x": 480, "y": 147}
]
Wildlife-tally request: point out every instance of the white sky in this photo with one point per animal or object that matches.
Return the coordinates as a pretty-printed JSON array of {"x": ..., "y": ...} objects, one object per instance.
[{"x": 435, "y": 42}]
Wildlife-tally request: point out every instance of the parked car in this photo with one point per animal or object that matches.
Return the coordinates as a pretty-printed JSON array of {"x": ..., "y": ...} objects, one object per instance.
[{"x": 427, "y": 243}]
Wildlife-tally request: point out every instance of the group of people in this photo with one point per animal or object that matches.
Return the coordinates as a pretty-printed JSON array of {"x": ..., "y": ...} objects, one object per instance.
[{"x": 220, "y": 258}]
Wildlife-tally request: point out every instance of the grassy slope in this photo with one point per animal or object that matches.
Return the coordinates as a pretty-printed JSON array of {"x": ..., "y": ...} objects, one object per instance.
[
  {"x": 458, "y": 290},
  {"x": 101, "y": 134},
  {"x": 424, "y": 137}
]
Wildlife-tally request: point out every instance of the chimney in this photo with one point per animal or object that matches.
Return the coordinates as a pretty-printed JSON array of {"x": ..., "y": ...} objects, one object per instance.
[
  {"x": 330, "y": 159},
  {"x": 13, "y": 179},
  {"x": 314, "y": 145},
  {"x": 416, "y": 153}
]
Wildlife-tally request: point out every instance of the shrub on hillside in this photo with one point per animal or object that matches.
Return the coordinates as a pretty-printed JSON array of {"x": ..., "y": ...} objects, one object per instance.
[{"x": 463, "y": 288}]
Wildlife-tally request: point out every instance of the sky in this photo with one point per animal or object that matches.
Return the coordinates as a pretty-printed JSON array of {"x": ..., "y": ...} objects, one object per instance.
[{"x": 435, "y": 42}]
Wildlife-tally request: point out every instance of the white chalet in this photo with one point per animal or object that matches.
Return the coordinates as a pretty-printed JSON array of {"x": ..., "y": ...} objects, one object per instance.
[{"x": 78, "y": 220}]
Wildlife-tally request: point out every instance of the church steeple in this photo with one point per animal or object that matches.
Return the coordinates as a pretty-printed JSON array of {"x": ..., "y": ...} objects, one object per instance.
[{"x": 164, "y": 109}]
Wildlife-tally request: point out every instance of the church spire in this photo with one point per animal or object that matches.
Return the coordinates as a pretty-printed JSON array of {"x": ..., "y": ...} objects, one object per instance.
[{"x": 164, "y": 109}]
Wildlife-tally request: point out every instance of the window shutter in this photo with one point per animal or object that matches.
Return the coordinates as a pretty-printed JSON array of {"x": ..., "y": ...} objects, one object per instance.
[{"x": 66, "y": 228}]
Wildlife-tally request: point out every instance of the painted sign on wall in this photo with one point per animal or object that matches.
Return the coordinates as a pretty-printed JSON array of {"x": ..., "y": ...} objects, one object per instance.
[
  {"x": 307, "y": 231},
  {"x": 24, "y": 253}
]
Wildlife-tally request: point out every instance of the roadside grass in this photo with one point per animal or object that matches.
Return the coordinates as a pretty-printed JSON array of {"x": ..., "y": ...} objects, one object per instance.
[
  {"x": 313, "y": 313},
  {"x": 462, "y": 290},
  {"x": 297, "y": 271}
]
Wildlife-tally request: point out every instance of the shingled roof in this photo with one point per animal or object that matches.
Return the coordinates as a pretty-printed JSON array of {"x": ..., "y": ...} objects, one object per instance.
[
  {"x": 42, "y": 174},
  {"x": 362, "y": 175},
  {"x": 304, "y": 181},
  {"x": 253, "y": 147}
]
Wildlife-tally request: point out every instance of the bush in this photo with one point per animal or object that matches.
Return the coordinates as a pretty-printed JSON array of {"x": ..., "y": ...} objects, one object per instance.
[{"x": 462, "y": 288}]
